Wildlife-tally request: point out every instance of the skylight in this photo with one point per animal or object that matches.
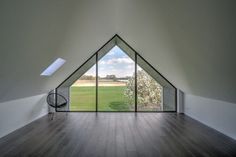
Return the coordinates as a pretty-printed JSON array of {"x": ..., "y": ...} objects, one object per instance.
[{"x": 53, "y": 67}]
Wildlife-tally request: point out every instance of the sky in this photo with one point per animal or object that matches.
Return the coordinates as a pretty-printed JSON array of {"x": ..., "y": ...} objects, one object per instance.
[{"x": 115, "y": 62}]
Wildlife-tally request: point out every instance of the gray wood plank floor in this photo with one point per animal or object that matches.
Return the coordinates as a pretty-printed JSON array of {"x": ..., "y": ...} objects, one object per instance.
[{"x": 117, "y": 135}]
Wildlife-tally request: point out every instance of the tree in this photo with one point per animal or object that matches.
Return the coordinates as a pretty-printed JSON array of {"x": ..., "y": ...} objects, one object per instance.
[
  {"x": 87, "y": 77},
  {"x": 149, "y": 95},
  {"x": 112, "y": 77}
]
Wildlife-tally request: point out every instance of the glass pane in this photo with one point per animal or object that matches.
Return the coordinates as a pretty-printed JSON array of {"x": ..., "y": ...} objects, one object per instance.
[
  {"x": 83, "y": 92},
  {"x": 154, "y": 93},
  {"x": 149, "y": 92},
  {"x": 79, "y": 89},
  {"x": 115, "y": 69}
]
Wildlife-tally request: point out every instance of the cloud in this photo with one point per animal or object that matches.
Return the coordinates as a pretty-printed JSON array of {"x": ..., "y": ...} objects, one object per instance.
[
  {"x": 119, "y": 71},
  {"x": 111, "y": 53},
  {"x": 115, "y": 62},
  {"x": 102, "y": 62},
  {"x": 122, "y": 60},
  {"x": 130, "y": 67}
]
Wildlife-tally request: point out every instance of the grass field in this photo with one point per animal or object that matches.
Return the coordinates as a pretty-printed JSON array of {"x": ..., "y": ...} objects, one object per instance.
[{"x": 110, "y": 98}]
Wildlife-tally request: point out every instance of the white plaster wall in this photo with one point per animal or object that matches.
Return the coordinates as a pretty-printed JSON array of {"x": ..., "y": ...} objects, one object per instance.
[
  {"x": 192, "y": 43},
  {"x": 219, "y": 115},
  {"x": 17, "y": 113},
  {"x": 180, "y": 101},
  {"x": 35, "y": 33}
]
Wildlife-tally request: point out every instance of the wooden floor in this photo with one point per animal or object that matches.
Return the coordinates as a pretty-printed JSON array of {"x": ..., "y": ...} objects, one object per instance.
[{"x": 117, "y": 134}]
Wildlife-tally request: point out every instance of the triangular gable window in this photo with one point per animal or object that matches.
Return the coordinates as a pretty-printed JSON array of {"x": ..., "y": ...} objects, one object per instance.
[{"x": 117, "y": 78}]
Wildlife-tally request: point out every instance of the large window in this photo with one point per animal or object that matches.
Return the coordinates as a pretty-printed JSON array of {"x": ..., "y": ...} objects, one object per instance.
[
  {"x": 116, "y": 78},
  {"x": 114, "y": 72}
]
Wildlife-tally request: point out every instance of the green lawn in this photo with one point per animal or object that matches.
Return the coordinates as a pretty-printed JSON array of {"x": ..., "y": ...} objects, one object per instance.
[{"x": 110, "y": 98}]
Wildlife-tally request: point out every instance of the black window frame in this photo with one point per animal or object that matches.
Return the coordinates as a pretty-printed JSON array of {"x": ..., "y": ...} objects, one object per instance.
[{"x": 136, "y": 54}]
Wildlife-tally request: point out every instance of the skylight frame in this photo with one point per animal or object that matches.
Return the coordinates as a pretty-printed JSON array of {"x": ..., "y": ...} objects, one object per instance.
[{"x": 52, "y": 68}]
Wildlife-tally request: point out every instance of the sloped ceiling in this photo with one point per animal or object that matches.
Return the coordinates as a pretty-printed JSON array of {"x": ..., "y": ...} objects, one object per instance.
[{"x": 192, "y": 43}]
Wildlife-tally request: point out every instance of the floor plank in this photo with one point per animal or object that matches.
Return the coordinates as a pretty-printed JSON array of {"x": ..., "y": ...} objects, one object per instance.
[{"x": 117, "y": 134}]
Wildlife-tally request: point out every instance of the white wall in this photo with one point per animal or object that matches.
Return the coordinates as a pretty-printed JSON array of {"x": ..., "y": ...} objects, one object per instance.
[
  {"x": 217, "y": 114},
  {"x": 192, "y": 43},
  {"x": 180, "y": 101},
  {"x": 17, "y": 113},
  {"x": 35, "y": 33}
]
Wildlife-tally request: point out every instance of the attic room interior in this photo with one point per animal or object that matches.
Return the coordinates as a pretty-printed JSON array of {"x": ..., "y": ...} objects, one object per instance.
[{"x": 118, "y": 78}]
